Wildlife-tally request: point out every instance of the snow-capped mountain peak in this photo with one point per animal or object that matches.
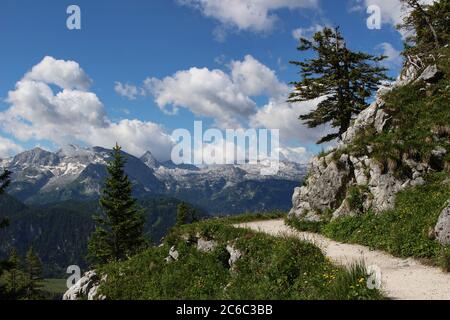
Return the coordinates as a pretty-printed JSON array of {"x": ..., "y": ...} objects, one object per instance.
[
  {"x": 75, "y": 173},
  {"x": 150, "y": 161}
]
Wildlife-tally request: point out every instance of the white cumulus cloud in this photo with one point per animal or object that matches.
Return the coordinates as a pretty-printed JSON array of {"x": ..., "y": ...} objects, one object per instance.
[
  {"x": 306, "y": 32},
  {"x": 252, "y": 15},
  {"x": 126, "y": 90},
  {"x": 278, "y": 114},
  {"x": 227, "y": 98},
  {"x": 65, "y": 74},
  {"x": 209, "y": 93},
  {"x": 73, "y": 114},
  {"x": 254, "y": 78},
  {"x": 8, "y": 148},
  {"x": 394, "y": 58}
]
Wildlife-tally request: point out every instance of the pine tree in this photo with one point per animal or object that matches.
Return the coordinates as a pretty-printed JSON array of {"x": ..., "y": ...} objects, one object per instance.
[
  {"x": 14, "y": 275},
  {"x": 119, "y": 228},
  {"x": 4, "y": 183},
  {"x": 4, "y": 222},
  {"x": 194, "y": 215},
  {"x": 342, "y": 78},
  {"x": 427, "y": 27},
  {"x": 419, "y": 19},
  {"x": 33, "y": 272},
  {"x": 182, "y": 214}
]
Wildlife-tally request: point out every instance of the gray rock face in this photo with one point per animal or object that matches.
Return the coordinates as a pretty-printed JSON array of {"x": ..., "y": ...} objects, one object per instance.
[
  {"x": 235, "y": 255},
  {"x": 173, "y": 255},
  {"x": 326, "y": 186},
  {"x": 365, "y": 118},
  {"x": 204, "y": 245},
  {"x": 381, "y": 120},
  {"x": 430, "y": 74},
  {"x": 329, "y": 179},
  {"x": 86, "y": 288},
  {"x": 383, "y": 187},
  {"x": 442, "y": 228},
  {"x": 343, "y": 210}
]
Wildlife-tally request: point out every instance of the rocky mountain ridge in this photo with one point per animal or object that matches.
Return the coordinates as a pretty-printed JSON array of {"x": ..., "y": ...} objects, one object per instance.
[{"x": 76, "y": 173}]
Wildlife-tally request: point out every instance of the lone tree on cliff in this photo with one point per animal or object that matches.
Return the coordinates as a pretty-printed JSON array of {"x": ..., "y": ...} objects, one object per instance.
[
  {"x": 427, "y": 26},
  {"x": 119, "y": 229},
  {"x": 343, "y": 78}
]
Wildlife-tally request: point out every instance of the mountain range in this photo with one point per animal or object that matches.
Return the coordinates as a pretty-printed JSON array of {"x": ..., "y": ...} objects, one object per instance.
[{"x": 76, "y": 173}]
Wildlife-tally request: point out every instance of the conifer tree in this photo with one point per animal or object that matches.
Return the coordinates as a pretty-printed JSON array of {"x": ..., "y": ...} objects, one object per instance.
[
  {"x": 119, "y": 228},
  {"x": 14, "y": 275},
  {"x": 342, "y": 78},
  {"x": 427, "y": 26},
  {"x": 182, "y": 214},
  {"x": 33, "y": 273},
  {"x": 4, "y": 183},
  {"x": 419, "y": 19}
]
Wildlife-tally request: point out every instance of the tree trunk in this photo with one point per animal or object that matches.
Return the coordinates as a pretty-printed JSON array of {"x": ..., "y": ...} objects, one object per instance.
[{"x": 416, "y": 5}]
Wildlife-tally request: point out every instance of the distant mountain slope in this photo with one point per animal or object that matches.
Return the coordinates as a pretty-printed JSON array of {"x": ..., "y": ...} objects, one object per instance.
[
  {"x": 75, "y": 173},
  {"x": 59, "y": 232}
]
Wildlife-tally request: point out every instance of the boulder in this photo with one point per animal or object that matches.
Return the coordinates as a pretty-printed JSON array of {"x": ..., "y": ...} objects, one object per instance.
[
  {"x": 86, "y": 288},
  {"x": 204, "y": 245},
  {"x": 235, "y": 255},
  {"x": 431, "y": 74},
  {"x": 437, "y": 158},
  {"x": 442, "y": 228},
  {"x": 173, "y": 253}
]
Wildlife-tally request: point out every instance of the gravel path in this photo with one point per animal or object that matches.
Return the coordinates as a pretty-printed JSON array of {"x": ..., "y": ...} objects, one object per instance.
[{"x": 405, "y": 279}]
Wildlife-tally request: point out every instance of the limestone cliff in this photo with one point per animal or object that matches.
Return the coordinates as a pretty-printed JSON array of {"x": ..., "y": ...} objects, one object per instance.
[{"x": 350, "y": 180}]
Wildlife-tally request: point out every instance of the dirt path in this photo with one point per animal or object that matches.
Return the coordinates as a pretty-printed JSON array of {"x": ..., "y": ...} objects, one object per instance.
[{"x": 401, "y": 278}]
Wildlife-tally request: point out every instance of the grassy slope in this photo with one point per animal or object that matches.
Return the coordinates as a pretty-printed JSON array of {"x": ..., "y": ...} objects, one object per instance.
[
  {"x": 404, "y": 230},
  {"x": 271, "y": 268},
  {"x": 421, "y": 120},
  {"x": 54, "y": 288},
  {"x": 419, "y": 114}
]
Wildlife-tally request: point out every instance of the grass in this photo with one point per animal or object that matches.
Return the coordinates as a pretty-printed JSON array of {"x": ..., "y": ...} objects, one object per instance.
[
  {"x": 249, "y": 217},
  {"x": 54, "y": 288},
  {"x": 270, "y": 268},
  {"x": 308, "y": 226}
]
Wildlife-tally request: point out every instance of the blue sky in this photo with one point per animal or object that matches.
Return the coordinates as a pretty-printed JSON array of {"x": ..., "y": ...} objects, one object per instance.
[{"x": 185, "y": 49}]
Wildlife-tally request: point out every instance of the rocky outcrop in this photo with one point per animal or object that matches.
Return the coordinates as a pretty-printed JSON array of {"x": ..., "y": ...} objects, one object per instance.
[
  {"x": 442, "y": 229},
  {"x": 86, "y": 288},
  {"x": 205, "y": 245},
  {"x": 326, "y": 187},
  {"x": 235, "y": 255},
  {"x": 430, "y": 74},
  {"x": 330, "y": 177},
  {"x": 173, "y": 255}
]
